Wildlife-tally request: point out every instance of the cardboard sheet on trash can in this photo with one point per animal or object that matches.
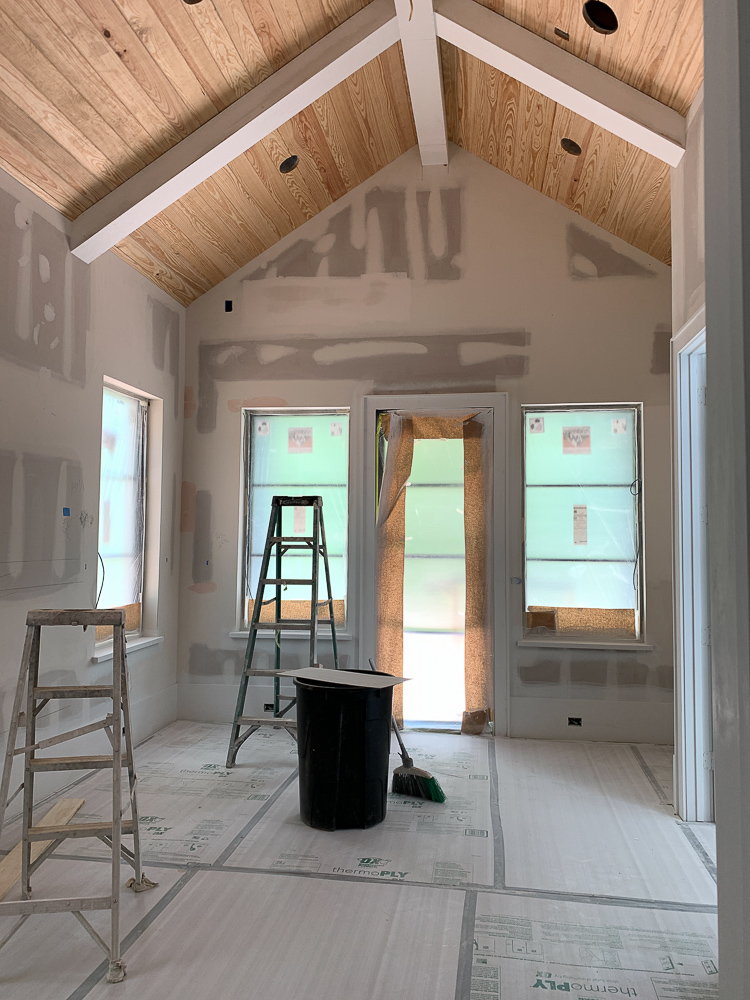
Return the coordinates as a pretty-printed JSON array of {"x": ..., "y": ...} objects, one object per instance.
[
  {"x": 191, "y": 807},
  {"x": 448, "y": 843},
  {"x": 580, "y": 949},
  {"x": 351, "y": 678}
]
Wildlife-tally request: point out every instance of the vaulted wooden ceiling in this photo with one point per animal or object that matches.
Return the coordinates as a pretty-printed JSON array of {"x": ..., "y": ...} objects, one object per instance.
[{"x": 91, "y": 91}]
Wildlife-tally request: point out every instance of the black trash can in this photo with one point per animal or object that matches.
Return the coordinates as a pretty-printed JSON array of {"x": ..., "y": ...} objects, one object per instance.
[{"x": 343, "y": 737}]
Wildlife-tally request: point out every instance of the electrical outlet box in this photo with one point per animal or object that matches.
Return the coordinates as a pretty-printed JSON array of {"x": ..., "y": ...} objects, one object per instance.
[
  {"x": 574, "y": 722},
  {"x": 268, "y": 706}
]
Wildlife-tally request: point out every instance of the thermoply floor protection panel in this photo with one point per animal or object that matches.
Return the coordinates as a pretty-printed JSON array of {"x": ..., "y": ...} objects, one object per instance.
[
  {"x": 552, "y": 867},
  {"x": 448, "y": 843},
  {"x": 585, "y": 818},
  {"x": 234, "y": 935}
]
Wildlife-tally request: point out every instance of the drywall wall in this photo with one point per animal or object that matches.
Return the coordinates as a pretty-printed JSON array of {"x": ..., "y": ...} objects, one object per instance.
[
  {"x": 689, "y": 223},
  {"x": 446, "y": 279},
  {"x": 63, "y": 327}
]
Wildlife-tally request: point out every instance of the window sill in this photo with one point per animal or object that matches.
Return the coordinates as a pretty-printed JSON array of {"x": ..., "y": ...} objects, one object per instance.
[
  {"x": 634, "y": 645},
  {"x": 268, "y": 634},
  {"x": 104, "y": 651}
]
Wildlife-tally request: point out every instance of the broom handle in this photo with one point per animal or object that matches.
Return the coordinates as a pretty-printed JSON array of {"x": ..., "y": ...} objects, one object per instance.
[{"x": 393, "y": 719}]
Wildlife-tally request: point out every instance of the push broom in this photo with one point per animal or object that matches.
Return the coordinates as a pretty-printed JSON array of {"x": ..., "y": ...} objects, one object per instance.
[{"x": 411, "y": 780}]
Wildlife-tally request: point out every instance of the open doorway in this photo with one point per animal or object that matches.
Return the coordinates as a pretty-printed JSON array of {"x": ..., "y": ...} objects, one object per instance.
[
  {"x": 431, "y": 614},
  {"x": 694, "y": 784}
]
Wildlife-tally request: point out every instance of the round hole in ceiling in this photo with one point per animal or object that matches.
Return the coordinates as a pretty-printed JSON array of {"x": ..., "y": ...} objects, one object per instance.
[
  {"x": 600, "y": 16},
  {"x": 191, "y": 2},
  {"x": 289, "y": 164},
  {"x": 570, "y": 146}
]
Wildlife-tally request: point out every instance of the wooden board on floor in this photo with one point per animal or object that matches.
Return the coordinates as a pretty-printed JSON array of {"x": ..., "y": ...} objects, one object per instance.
[{"x": 10, "y": 867}]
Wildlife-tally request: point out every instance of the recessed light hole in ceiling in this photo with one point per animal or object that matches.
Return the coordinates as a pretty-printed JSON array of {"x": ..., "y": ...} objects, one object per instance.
[
  {"x": 600, "y": 16},
  {"x": 570, "y": 146},
  {"x": 287, "y": 165},
  {"x": 192, "y": 1}
]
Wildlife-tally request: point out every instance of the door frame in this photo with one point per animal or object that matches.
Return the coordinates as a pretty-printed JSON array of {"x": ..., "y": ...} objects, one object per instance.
[
  {"x": 693, "y": 761},
  {"x": 498, "y": 403}
]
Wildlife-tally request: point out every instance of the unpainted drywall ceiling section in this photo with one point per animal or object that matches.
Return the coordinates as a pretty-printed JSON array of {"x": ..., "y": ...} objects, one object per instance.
[{"x": 457, "y": 279}]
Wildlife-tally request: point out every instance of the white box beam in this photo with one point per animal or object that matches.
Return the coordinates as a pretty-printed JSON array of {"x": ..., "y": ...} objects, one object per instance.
[
  {"x": 416, "y": 22},
  {"x": 248, "y": 120},
  {"x": 563, "y": 77}
]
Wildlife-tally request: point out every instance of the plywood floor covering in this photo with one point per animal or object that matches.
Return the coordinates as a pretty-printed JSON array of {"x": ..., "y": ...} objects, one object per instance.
[{"x": 552, "y": 866}]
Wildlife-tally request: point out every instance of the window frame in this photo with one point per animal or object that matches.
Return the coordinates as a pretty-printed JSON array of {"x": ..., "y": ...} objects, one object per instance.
[
  {"x": 600, "y": 639},
  {"x": 149, "y": 632},
  {"x": 243, "y": 560}
]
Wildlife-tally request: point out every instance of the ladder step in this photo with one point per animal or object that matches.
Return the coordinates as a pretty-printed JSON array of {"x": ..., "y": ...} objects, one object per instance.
[
  {"x": 248, "y": 720},
  {"x": 77, "y": 830},
  {"x": 263, "y": 673},
  {"x": 85, "y": 691},
  {"x": 292, "y": 538},
  {"x": 294, "y": 624},
  {"x": 71, "y": 763},
  {"x": 276, "y": 582}
]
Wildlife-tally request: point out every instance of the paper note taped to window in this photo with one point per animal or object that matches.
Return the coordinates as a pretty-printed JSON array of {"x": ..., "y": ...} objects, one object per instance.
[
  {"x": 337, "y": 429},
  {"x": 300, "y": 520},
  {"x": 580, "y": 524},
  {"x": 536, "y": 425},
  {"x": 263, "y": 428},
  {"x": 300, "y": 441},
  {"x": 576, "y": 440},
  {"x": 619, "y": 425}
]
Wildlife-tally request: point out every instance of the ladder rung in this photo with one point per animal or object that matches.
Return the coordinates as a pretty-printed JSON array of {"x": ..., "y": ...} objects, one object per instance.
[
  {"x": 85, "y": 691},
  {"x": 292, "y": 538},
  {"x": 25, "y": 907},
  {"x": 300, "y": 626},
  {"x": 71, "y": 763},
  {"x": 276, "y": 582},
  {"x": 263, "y": 673},
  {"x": 77, "y": 830},
  {"x": 247, "y": 720}
]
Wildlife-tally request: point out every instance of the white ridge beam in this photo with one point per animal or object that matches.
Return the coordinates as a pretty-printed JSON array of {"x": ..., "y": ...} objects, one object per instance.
[
  {"x": 416, "y": 22},
  {"x": 251, "y": 118},
  {"x": 563, "y": 77}
]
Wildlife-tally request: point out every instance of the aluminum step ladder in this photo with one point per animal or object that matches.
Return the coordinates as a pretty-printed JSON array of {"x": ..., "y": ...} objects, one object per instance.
[
  {"x": 30, "y": 698},
  {"x": 277, "y": 545}
]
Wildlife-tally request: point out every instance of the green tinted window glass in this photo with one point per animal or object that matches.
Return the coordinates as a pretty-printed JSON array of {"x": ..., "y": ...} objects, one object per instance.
[
  {"x": 582, "y": 508},
  {"x": 305, "y": 454}
]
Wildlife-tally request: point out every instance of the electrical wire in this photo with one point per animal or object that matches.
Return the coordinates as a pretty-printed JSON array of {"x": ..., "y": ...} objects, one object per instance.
[{"x": 103, "y": 576}]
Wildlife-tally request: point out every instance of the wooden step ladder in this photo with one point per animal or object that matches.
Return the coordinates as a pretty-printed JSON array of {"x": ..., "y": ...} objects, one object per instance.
[
  {"x": 277, "y": 545},
  {"x": 116, "y": 725}
]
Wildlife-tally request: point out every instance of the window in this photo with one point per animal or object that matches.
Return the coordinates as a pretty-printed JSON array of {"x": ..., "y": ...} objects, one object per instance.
[
  {"x": 122, "y": 507},
  {"x": 296, "y": 453},
  {"x": 583, "y": 522}
]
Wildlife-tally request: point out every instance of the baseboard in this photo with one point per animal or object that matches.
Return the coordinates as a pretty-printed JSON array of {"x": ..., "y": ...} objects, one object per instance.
[
  {"x": 216, "y": 702},
  {"x": 151, "y": 714},
  {"x": 601, "y": 721}
]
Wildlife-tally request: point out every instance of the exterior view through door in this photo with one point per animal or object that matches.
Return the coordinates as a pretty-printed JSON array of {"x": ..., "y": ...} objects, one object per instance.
[{"x": 434, "y": 512}]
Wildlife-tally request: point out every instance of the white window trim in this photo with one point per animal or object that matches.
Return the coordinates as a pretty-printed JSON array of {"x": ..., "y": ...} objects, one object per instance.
[
  {"x": 152, "y": 539},
  {"x": 598, "y": 640},
  {"x": 239, "y": 631},
  {"x": 104, "y": 651}
]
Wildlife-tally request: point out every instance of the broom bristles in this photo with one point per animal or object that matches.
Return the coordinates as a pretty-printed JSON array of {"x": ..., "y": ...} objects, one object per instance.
[{"x": 418, "y": 783}]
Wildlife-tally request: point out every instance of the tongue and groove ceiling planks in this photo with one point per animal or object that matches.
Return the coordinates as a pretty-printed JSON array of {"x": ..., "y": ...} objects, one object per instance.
[{"x": 91, "y": 91}]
